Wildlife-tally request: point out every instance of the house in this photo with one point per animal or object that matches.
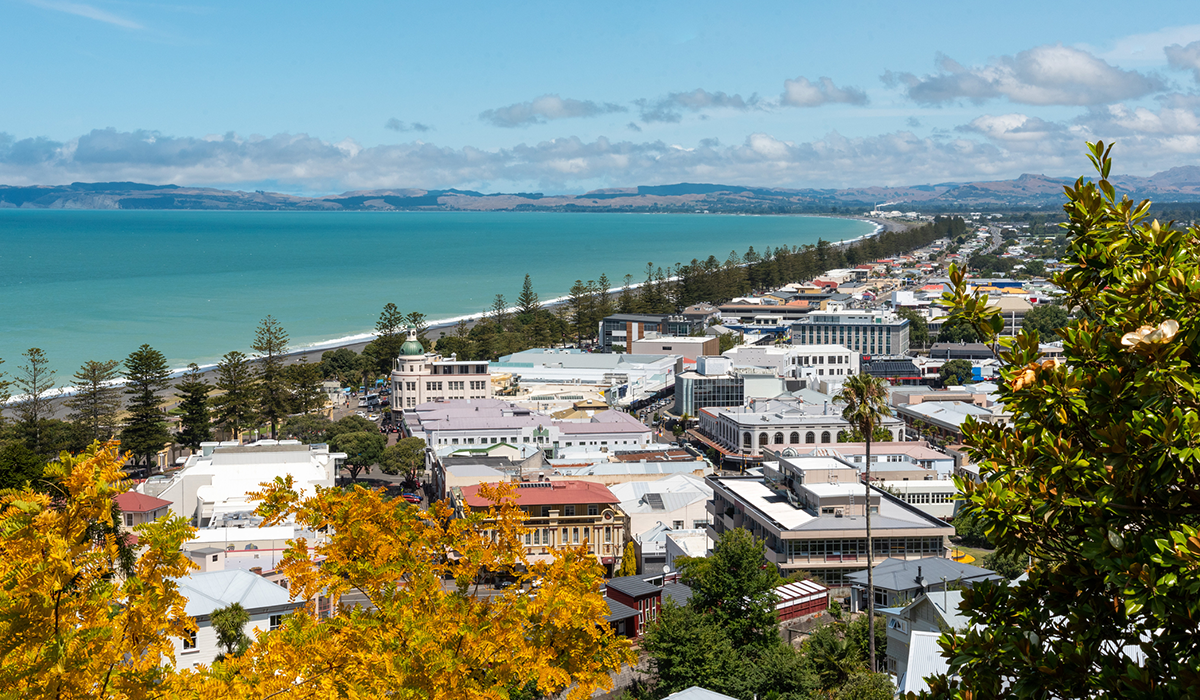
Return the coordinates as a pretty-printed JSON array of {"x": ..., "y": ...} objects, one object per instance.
[
  {"x": 138, "y": 508},
  {"x": 932, "y": 614},
  {"x": 644, "y": 595},
  {"x": 898, "y": 581},
  {"x": 561, "y": 514},
  {"x": 678, "y": 501},
  {"x": 697, "y": 693},
  {"x": 266, "y": 602},
  {"x": 924, "y": 660}
]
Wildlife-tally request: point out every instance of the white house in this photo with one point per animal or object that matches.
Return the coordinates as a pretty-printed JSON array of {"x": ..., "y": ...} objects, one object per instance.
[{"x": 266, "y": 602}]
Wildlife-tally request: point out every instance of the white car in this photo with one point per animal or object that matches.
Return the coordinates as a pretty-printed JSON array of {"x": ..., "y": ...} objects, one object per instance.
[
  {"x": 361, "y": 414},
  {"x": 373, "y": 416}
]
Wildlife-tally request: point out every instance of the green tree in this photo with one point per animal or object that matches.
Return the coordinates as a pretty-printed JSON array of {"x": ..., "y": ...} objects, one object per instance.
[
  {"x": 686, "y": 648},
  {"x": 628, "y": 560},
  {"x": 527, "y": 303},
  {"x": 146, "y": 377},
  {"x": 305, "y": 393},
  {"x": 1047, "y": 320},
  {"x": 955, "y": 330},
  {"x": 96, "y": 405},
  {"x": 270, "y": 347},
  {"x": 19, "y": 466},
  {"x": 834, "y": 657},
  {"x": 195, "y": 424},
  {"x": 956, "y": 373},
  {"x": 5, "y": 394},
  {"x": 363, "y": 449},
  {"x": 340, "y": 364},
  {"x": 866, "y": 400},
  {"x": 236, "y": 408},
  {"x": 918, "y": 327},
  {"x": 867, "y": 686},
  {"x": 349, "y": 424},
  {"x": 390, "y": 334},
  {"x": 406, "y": 457},
  {"x": 1010, "y": 566},
  {"x": 1094, "y": 478},
  {"x": 736, "y": 588},
  {"x": 229, "y": 623},
  {"x": 579, "y": 305},
  {"x": 881, "y": 434},
  {"x": 307, "y": 428},
  {"x": 35, "y": 381}
]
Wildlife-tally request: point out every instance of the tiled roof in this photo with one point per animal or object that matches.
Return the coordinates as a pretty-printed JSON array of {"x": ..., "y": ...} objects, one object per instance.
[
  {"x": 633, "y": 586},
  {"x": 618, "y": 611},
  {"x": 134, "y": 502}
]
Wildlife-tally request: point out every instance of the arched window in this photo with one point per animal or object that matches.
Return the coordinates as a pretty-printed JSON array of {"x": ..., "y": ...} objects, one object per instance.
[
  {"x": 795, "y": 439},
  {"x": 746, "y": 440},
  {"x": 778, "y": 438},
  {"x": 762, "y": 439},
  {"x": 810, "y": 437},
  {"x": 825, "y": 437}
]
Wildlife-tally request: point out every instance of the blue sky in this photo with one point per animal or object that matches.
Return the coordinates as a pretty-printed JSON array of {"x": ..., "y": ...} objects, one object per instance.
[{"x": 565, "y": 97}]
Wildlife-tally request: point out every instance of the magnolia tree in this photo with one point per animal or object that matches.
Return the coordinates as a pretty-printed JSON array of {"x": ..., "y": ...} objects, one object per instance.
[{"x": 1095, "y": 482}]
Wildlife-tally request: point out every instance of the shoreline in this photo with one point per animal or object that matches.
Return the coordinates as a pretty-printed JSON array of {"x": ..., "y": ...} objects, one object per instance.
[{"x": 357, "y": 341}]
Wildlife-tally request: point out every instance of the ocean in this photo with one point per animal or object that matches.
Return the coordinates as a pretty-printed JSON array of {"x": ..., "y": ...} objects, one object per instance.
[{"x": 95, "y": 285}]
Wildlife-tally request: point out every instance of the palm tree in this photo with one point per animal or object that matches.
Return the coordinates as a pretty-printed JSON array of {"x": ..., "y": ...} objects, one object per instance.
[{"x": 866, "y": 400}]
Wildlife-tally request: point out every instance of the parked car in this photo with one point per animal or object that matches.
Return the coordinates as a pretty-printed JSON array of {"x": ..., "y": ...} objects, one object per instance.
[{"x": 411, "y": 497}]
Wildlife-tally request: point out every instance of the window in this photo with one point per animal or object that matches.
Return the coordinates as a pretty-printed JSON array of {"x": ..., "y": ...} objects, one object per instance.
[
  {"x": 189, "y": 642},
  {"x": 566, "y": 536},
  {"x": 574, "y": 535},
  {"x": 593, "y": 509},
  {"x": 608, "y": 534},
  {"x": 762, "y": 439},
  {"x": 810, "y": 438},
  {"x": 825, "y": 437},
  {"x": 778, "y": 438},
  {"x": 215, "y": 556},
  {"x": 794, "y": 439},
  {"x": 677, "y": 525},
  {"x": 568, "y": 511},
  {"x": 545, "y": 511},
  {"x": 746, "y": 440},
  {"x": 129, "y": 520},
  {"x": 276, "y": 621}
]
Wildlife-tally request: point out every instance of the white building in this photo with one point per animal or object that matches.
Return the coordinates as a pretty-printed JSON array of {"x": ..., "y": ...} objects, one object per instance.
[
  {"x": 626, "y": 377},
  {"x": 491, "y": 421},
  {"x": 420, "y": 377},
  {"x": 266, "y": 602},
  {"x": 215, "y": 484},
  {"x": 866, "y": 332},
  {"x": 824, "y": 366},
  {"x": 678, "y": 502}
]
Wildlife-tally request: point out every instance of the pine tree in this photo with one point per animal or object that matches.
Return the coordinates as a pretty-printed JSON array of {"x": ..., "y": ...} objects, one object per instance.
[
  {"x": 527, "y": 303},
  {"x": 579, "y": 304},
  {"x": 236, "y": 408},
  {"x": 195, "y": 425},
  {"x": 304, "y": 387},
  {"x": 146, "y": 374},
  {"x": 35, "y": 381},
  {"x": 420, "y": 325},
  {"x": 96, "y": 405},
  {"x": 390, "y": 335},
  {"x": 5, "y": 393},
  {"x": 270, "y": 346}
]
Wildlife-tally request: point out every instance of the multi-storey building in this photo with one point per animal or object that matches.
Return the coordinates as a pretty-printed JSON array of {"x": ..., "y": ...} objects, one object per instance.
[
  {"x": 811, "y": 514},
  {"x": 419, "y": 377},
  {"x": 622, "y": 329},
  {"x": 562, "y": 514},
  {"x": 745, "y": 433},
  {"x": 865, "y": 332}
]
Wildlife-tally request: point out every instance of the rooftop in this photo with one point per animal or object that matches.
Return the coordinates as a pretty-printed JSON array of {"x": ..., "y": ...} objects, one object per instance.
[
  {"x": 901, "y": 575},
  {"x": 206, "y": 592},
  {"x": 134, "y": 502},
  {"x": 547, "y": 493}
]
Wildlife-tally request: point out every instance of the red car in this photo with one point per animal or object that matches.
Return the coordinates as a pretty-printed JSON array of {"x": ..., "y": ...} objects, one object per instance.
[{"x": 411, "y": 497}]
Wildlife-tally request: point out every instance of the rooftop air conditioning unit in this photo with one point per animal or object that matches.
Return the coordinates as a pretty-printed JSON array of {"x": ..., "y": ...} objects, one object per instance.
[{"x": 839, "y": 512}]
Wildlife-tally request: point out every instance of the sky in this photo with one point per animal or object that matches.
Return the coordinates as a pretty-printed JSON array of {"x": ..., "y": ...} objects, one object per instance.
[{"x": 560, "y": 97}]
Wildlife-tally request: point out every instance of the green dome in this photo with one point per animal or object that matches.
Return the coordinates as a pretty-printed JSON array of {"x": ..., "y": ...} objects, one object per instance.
[{"x": 412, "y": 346}]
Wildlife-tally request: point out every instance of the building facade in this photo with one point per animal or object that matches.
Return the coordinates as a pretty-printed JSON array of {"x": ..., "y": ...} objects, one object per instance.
[
  {"x": 865, "y": 332},
  {"x": 620, "y": 330},
  {"x": 420, "y": 377}
]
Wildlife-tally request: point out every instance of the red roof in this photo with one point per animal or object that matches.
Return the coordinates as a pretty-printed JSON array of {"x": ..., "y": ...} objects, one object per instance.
[
  {"x": 134, "y": 502},
  {"x": 548, "y": 493}
]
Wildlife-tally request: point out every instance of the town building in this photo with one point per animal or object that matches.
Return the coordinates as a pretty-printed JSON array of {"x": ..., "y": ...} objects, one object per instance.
[
  {"x": 688, "y": 347},
  {"x": 944, "y": 419},
  {"x": 266, "y": 602},
  {"x": 912, "y": 631},
  {"x": 562, "y": 514},
  {"x": 810, "y": 512},
  {"x": 747, "y": 433},
  {"x": 717, "y": 382},
  {"x": 899, "y": 581},
  {"x": 619, "y": 330},
  {"x": 492, "y": 422},
  {"x": 894, "y": 460},
  {"x": 800, "y": 598},
  {"x": 865, "y": 332},
  {"x": 138, "y": 508},
  {"x": 961, "y": 351},
  {"x": 420, "y": 377},
  {"x": 215, "y": 484},
  {"x": 622, "y": 378},
  {"x": 798, "y": 361},
  {"x": 635, "y": 601}
]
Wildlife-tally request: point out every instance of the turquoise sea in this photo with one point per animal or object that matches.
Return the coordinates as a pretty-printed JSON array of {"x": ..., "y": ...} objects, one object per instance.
[{"x": 94, "y": 285}]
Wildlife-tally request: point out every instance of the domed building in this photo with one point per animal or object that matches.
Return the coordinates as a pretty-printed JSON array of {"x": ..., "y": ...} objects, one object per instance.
[{"x": 420, "y": 377}]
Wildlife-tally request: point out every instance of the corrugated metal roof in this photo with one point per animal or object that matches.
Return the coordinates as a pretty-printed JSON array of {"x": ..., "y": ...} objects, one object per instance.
[
  {"x": 206, "y": 592},
  {"x": 924, "y": 660},
  {"x": 697, "y": 693}
]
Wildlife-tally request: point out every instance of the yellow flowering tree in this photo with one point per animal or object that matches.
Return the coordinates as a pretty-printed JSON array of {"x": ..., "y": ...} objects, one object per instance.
[{"x": 77, "y": 618}]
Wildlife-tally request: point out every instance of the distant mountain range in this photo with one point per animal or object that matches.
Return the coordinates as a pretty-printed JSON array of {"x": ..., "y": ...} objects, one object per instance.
[{"x": 1180, "y": 184}]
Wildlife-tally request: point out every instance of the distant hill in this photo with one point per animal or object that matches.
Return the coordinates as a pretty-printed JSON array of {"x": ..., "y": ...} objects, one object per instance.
[{"x": 1180, "y": 184}]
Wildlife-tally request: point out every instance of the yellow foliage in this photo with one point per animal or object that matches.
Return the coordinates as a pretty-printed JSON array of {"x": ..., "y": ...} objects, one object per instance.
[{"x": 71, "y": 624}]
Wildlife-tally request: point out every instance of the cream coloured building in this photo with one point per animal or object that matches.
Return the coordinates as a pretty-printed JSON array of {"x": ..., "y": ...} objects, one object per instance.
[{"x": 422, "y": 377}]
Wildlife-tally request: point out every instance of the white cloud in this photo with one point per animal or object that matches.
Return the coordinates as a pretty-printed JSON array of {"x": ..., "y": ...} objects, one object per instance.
[
  {"x": 1044, "y": 75},
  {"x": 803, "y": 93},
  {"x": 396, "y": 125},
  {"x": 81, "y": 10},
  {"x": 1145, "y": 48},
  {"x": 1178, "y": 115},
  {"x": 1184, "y": 57},
  {"x": 545, "y": 108},
  {"x": 669, "y": 108},
  {"x": 989, "y": 147}
]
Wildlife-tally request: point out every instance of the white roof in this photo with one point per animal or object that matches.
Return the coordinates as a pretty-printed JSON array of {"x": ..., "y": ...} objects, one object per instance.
[
  {"x": 206, "y": 592},
  {"x": 697, "y": 693},
  {"x": 694, "y": 543},
  {"x": 830, "y": 490},
  {"x": 924, "y": 660},
  {"x": 218, "y": 535},
  {"x": 768, "y": 502}
]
